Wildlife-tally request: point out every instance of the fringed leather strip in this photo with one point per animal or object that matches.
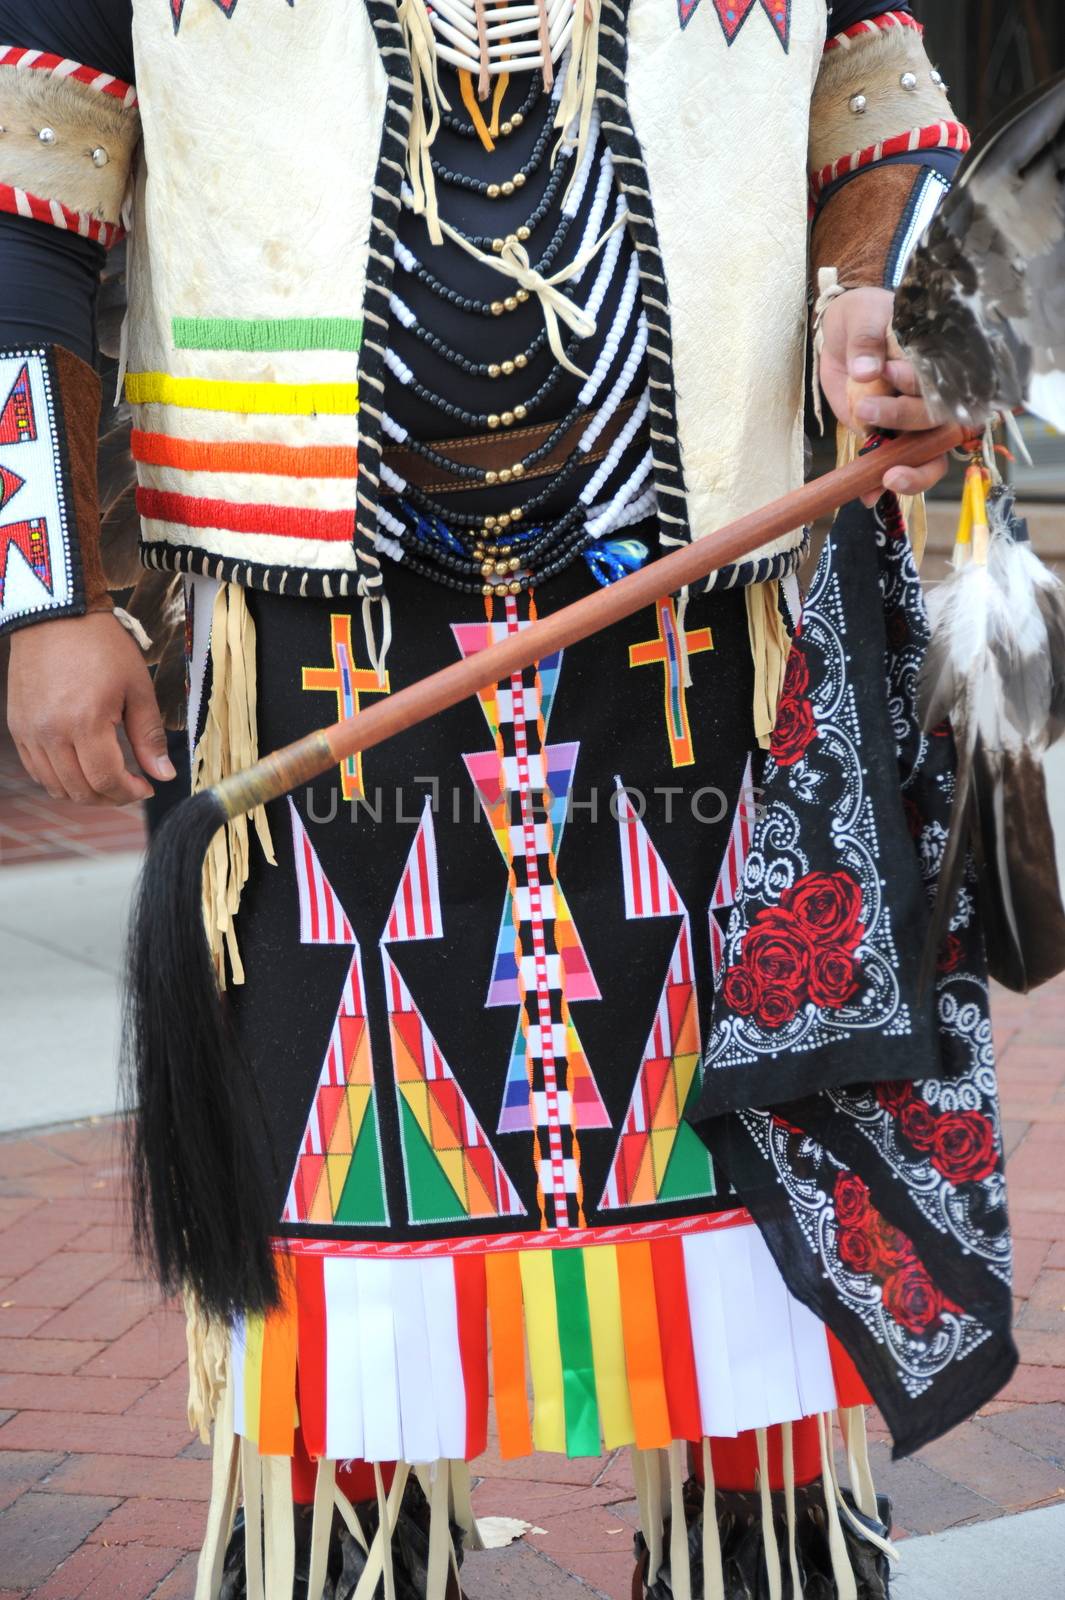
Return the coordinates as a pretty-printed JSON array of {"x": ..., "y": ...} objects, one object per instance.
[
  {"x": 788, "y": 1454},
  {"x": 229, "y": 743},
  {"x": 420, "y": 42},
  {"x": 769, "y": 1534},
  {"x": 842, "y": 1571},
  {"x": 713, "y": 1572},
  {"x": 770, "y": 646},
  {"x": 207, "y": 1342},
  {"x": 222, "y": 1509}
]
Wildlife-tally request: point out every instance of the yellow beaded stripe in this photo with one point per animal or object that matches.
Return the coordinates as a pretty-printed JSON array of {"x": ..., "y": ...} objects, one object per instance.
[{"x": 263, "y": 399}]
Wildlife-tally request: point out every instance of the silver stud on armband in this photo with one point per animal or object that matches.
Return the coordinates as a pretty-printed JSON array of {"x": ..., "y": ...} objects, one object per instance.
[
  {"x": 100, "y": 157},
  {"x": 47, "y": 136},
  {"x": 859, "y": 104},
  {"x": 909, "y": 81}
]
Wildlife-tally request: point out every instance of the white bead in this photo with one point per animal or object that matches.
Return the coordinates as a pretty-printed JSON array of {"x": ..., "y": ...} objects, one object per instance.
[
  {"x": 859, "y": 104},
  {"x": 47, "y": 136},
  {"x": 909, "y": 80},
  {"x": 937, "y": 78},
  {"x": 100, "y": 157}
]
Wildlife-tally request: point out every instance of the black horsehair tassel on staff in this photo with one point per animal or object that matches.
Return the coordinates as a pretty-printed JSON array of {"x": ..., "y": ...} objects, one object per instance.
[{"x": 981, "y": 314}]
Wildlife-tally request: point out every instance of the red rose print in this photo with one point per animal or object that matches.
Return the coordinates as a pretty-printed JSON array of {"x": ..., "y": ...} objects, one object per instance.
[
  {"x": 794, "y": 732},
  {"x": 796, "y": 674},
  {"x": 894, "y": 1095},
  {"x": 951, "y": 953},
  {"x": 964, "y": 1148},
  {"x": 741, "y": 990},
  {"x": 777, "y": 1007},
  {"x": 857, "y": 1250},
  {"x": 919, "y": 1125},
  {"x": 851, "y": 1199},
  {"x": 777, "y": 951},
  {"x": 827, "y": 906},
  {"x": 912, "y": 1299},
  {"x": 893, "y": 1248},
  {"x": 834, "y": 977}
]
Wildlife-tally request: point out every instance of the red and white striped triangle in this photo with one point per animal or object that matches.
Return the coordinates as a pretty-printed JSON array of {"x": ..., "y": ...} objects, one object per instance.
[
  {"x": 416, "y": 910},
  {"x": 323, "y": 919},
  {"x": 649, "y": 890}
]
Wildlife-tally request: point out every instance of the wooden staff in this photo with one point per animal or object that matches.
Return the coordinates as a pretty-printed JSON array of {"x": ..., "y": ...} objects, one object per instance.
[{"x": 307, "y": 758}]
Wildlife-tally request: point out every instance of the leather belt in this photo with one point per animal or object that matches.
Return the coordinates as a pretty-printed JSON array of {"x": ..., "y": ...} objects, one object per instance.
[{"x": 498, "y": 451}]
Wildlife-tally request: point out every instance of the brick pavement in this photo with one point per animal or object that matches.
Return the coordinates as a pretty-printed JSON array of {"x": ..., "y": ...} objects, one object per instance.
[{"x": 102, "y": 1493}]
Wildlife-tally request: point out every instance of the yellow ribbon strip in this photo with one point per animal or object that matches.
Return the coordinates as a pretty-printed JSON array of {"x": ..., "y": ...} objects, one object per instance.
[{"x": 250, "y": 399}]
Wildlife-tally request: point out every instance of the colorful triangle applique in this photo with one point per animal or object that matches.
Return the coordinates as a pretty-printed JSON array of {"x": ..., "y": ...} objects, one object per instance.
[
  {"x": 732, "y": 14},
  {"x": 659, "y": 1158},
  {"x": 18, "y": 420},
  {"x": 452, "y": 1171},
  {"x": 339, "y": 1172}
]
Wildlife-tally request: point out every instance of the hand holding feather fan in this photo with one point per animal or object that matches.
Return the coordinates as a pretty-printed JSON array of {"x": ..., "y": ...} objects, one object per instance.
[{"x": 981, "y": 315}]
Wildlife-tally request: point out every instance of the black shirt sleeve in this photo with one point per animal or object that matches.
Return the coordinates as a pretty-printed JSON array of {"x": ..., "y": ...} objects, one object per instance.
[
  {"x": 49, "y": 278},
  {"x": 98, "y": 33}
]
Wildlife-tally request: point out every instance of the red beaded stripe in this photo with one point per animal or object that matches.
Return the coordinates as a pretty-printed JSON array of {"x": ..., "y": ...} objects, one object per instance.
[
  {"x": 61, "y": 67},
  {"x": 21, "y": 204},
  {"x": 286, "y": 522},
  {"x": 874, "y": 25},
  {"x": 937, "y": 136}
]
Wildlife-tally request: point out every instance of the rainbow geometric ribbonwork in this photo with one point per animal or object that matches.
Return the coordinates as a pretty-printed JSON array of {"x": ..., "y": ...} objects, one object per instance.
[
  {"x": 659, "y": 1157},
  {"x": 37, "y": 571},
  {"x": 339, "y": 1172}
]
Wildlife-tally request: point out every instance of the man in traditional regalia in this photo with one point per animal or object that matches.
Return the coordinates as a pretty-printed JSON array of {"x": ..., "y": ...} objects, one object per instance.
[{"x": 439, "y": 315}]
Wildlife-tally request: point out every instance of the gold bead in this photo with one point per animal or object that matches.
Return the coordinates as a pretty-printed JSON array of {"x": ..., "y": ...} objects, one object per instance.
[
  {"x": 521, "y": 362},
  {"x": 519, "y": 180},
  {"x": 514, "y": 563},
  {"x": 522, "y": 296},
  {"x": 515, "y": 587},
  {"x": 508, "y": 368},
  {"x": 505, "y": 549},
  {"x": 507, "y": 129},
  {"x": 518, "y": 470},
  {"x": 494, "y": 191},
  {"x": 489, "y": 522},
  {"x": 495, "y": 369},
  {"x": 502, "y": 568},
  {"x": 517, "y": 513},
  {"x": 508, "y": 189},
  {"x": 497, "y": 308},
  {"x": 491, "y": 476},
  {"x": 478, "y": 552},
  {"x": 488, "y": 569},
  {"x": 493, "y": 421},
  {"x": 521, "y": 413},
  {"x": 511, "y": 303},
  {"x": 505, "y": 474},
  {"x": 507, "y": 419},
  {"x": 512, "y": 238},
  {"x": 523, "y": 234},
  {"x": 497, "y": 246},
  {"x": 517, "y": 119}
]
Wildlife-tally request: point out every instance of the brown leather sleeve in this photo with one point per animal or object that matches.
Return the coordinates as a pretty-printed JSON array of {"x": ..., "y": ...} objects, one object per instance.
[
  {"x": 80, "y": 395},
  {"x": 857, "y": 226}
]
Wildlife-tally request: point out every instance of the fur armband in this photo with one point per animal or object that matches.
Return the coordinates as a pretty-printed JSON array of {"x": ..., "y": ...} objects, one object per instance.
[
  {"x": 50, "y": 564},
  {"x": 880, "y": 109},
  {"x": 67, "y": 137}
]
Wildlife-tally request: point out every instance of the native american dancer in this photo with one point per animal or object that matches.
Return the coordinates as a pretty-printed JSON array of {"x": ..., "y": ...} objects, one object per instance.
[{"x": 593, "y": 1097}]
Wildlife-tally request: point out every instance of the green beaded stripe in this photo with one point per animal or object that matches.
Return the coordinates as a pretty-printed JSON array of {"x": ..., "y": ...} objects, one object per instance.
[{"x": 268, "y": 333}]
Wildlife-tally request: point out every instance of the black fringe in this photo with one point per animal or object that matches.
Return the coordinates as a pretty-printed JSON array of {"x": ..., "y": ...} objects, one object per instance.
[{"x": 202, "y": 1207}]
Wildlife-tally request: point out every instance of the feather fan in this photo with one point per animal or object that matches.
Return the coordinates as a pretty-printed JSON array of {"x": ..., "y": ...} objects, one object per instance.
[
  {"x": 995, "y": 668},
  {"x": 981, "y": 309}
]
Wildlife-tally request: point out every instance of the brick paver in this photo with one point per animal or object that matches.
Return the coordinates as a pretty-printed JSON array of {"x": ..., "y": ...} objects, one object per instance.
[{"x": 102, "y": 1491}]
